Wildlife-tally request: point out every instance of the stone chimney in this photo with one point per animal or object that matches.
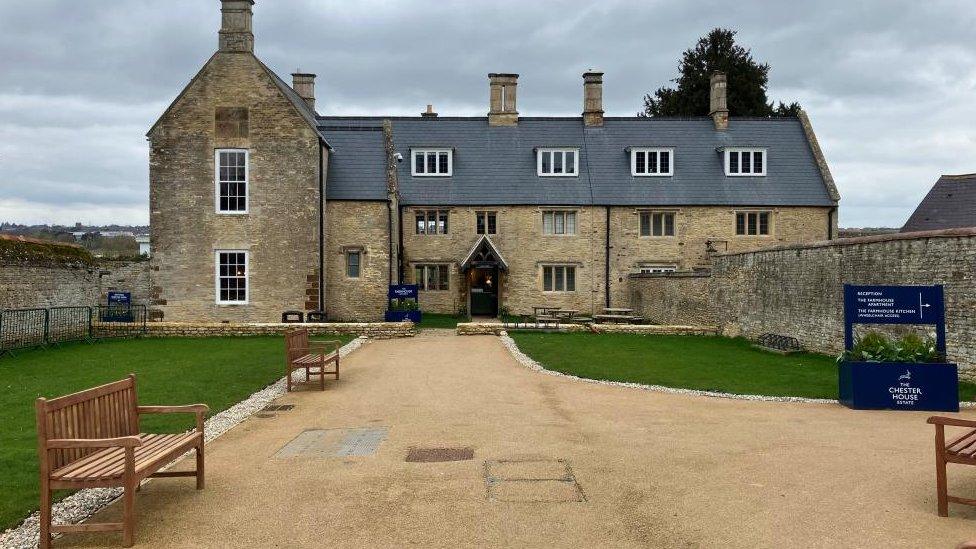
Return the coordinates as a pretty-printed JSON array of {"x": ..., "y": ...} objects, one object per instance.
[
  {"x": 592, "y": 98},
  {"x": 717, "y": 104},
  {"x": 501, "y": 99},
  {"x": 235, "y": 26},
  {"x": 304, "y": 85},
  {"x": 429, "y": 113}
]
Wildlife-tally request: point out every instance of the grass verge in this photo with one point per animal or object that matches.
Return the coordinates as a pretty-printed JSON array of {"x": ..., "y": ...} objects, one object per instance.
[
  {"x": 689, "y": 362},
  {"x": 435, "y": 320},
  {"x": 218, "y": 372}
]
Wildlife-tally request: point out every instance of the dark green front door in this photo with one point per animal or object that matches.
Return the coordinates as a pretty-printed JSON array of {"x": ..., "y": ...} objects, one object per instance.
[{"x": 484, "y": 292}]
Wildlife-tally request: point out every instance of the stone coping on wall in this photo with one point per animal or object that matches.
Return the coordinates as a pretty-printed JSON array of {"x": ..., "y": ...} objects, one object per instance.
[
  {"x": 942, "y": 233},
  {"x": 375, "y": 330},
  {"x": 490, "y": 328}
]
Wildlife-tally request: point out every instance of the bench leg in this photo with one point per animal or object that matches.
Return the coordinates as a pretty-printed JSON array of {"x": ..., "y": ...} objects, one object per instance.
[
  {"x": 129, "y": 515},
  {"x": 337, "y": 366},
  {"x": 322, "y": 377},
  {"x": 288, "y": 378},
  {"x": 45, "y": 526},
  {"x": 200, "y": 467},
  {"x": 941, "y": 487}
]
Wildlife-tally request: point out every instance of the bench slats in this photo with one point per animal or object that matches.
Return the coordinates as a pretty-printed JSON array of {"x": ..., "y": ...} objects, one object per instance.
[{"x": 110, "y": 462}]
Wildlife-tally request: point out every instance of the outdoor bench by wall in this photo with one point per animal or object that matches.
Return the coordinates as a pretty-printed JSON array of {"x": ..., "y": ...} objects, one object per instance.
[{"x": 376, "y": 330}]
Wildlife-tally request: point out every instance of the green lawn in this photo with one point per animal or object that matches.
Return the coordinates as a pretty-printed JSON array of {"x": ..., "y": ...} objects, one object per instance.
[
  {"x": 691, "y": 362},
  {"x": 218, "y": 372},
  {"x": 435, "y": 320}
]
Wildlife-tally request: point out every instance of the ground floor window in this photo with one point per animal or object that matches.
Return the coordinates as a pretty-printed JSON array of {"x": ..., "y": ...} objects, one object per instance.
[
  {"x": 232, "y": 273},
  {"x": 431, "y": 277},
  {"x": 650, "y": 268},
  {"x": 353, "y": 262},
  {"x": 559, "y": 278},
  {"x": 752, "y": 223}
]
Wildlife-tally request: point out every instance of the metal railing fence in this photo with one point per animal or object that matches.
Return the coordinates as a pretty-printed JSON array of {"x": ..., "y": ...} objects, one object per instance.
[{"x": 25, "y": 328}]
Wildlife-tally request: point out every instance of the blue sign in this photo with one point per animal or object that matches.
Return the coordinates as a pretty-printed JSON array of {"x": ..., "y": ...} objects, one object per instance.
[
  {"x": 894, "y": 305},
  {"x": 119, "y": 299},
  {"x": 403, "y": 291},
  {"x": 896, "y": 385}
]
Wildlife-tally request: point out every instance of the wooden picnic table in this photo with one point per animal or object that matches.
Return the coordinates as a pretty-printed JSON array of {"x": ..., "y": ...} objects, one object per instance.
[
  {"x": 610, "y": 311},
  {"x": 536, "y": 311},
  {"x": 616, "y": 319}
]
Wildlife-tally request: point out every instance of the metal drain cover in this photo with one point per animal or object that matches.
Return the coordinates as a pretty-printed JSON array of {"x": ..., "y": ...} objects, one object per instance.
[
  {"x": 278, "y": 407},
  {"x": 431, "y": 455},
  {"x": 335, "y": 443},
  {"x": 532, "y": 481}
]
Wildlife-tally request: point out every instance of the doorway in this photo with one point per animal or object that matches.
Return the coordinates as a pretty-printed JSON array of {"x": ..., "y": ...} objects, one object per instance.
[{"x": 484, "y": 291}]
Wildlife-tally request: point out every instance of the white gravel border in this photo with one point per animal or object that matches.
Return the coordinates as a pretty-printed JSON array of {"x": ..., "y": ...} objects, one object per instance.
[
  {"x": 83, "y": 504},
  {"x": 531, "y": 364}
]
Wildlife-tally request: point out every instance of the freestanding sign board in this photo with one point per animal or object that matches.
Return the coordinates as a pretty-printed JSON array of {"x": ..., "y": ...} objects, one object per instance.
[
  {"x": 119, "y": 307},
  {"x": 897, "y": 385},
  {"x": 398, "y": 293}
]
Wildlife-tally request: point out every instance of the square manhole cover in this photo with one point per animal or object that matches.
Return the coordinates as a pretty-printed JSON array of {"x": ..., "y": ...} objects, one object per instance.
[
  {"x": 431, "y": 455},
  {"x": 334, "y": 443},
  {"x": 532, "y": 481},
  {"x": 278, "y": 407}
]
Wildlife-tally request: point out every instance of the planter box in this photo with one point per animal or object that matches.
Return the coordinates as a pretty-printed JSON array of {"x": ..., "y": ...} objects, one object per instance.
[
  {"x": 899, "y": 386},
  {"x": 400, "y": 316}
]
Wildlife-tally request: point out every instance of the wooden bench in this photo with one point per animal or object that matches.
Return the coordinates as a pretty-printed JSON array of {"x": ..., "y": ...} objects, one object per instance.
[
  {"x": 313, "y": 357},
  {"x": 960, "y": 449},
  {"x": 91, "y": 439}
]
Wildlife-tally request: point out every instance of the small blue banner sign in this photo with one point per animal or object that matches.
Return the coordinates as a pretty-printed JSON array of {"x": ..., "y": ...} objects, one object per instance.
[
  {"x": 119, "y": 299},
  {"x": 897, "y": 385},
  {"x": 403, "y": 291}
]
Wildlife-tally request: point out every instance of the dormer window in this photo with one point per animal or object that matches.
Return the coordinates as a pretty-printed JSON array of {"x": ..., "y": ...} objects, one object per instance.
[
  {"x": 432, "y": 162},
  {"x": 557, "y": 162},
  {"x": 749, "y": 162},
  {"x": 651, "y": 162}
]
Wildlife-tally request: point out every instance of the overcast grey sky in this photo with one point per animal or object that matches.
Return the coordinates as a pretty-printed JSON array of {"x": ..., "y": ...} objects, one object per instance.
[{"x": 889, "y": 85}]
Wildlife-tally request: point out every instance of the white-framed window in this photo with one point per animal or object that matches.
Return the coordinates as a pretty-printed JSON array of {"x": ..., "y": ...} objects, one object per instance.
[
  {"x": 559, "y": 278},
  {"x": 652, "y": 268},
  {"x": 432, "y": 162},
  {"x": 557, "y": 162},
  {"x": 231, "y": 276},
  {"x": 739, "y": 161},
  {"x": 752, "y": 223},
  {"x": 354, "y": 260},
  {"x": 646, "y": 162},
  {"x": 657, "y": 223},
  {"x": 559, "y": 222},
  {"x": 432, "y": 277},
  {"x": 431, "y": 221},
  {"x": 486, "y": 222},
  {"x": 231, "y": 178}
]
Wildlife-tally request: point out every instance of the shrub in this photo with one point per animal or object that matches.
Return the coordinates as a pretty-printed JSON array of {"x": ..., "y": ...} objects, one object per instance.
[{"x": 877, "y": 347}]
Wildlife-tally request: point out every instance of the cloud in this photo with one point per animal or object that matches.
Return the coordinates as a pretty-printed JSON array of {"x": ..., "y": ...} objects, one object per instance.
[{"x": 888, "y": 83}]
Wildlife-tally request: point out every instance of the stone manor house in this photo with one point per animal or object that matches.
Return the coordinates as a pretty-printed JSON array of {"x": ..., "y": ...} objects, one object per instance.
[{"x": 259, "y": 204}]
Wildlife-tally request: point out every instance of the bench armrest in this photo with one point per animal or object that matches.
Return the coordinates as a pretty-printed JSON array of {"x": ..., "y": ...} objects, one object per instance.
[
  {"x": 118, "y": 442},
  {"x": 323, "y": 344},
  {"x": 942, "y": 420},
  {"x": 198, "y": 409}
]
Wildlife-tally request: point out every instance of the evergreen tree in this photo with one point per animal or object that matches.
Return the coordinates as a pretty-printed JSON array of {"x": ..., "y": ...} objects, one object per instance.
[{"x": 747, "y": 81}]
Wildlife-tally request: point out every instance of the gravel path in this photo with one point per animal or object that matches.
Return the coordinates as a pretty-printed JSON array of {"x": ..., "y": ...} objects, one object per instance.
[{"x": 85, "y": 503}]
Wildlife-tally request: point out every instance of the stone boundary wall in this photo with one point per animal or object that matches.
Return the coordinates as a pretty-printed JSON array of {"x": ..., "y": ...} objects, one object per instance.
[
  {"x": 487, "y": 328},
  {"x": 375, "y": 330},
  {"x": 798, "y": 290},
  {"x": 672, "y": 298},
  {"x": 37, "y": 274}
]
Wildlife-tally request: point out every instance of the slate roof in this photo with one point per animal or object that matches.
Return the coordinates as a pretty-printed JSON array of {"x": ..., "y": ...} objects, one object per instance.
[
  {"x": 497, "y": 166},
  {"x": 951, "y": 203}
]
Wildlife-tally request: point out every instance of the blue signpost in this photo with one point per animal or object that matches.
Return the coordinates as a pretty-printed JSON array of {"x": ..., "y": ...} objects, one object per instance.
[
  {"x": 399, "y": 296},
  {"x": 897, "y": 385}
]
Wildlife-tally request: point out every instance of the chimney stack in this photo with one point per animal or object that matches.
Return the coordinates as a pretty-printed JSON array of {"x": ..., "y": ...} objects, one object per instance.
[
  {"x": 429, "y": 113},
  {"x": 717, "y": 100},
  {"x": 304, "y": 85},
  {"x": 235, "y": 26},
  {"x": 592, "y": 98},
  {"x": 501, "y": 99}
]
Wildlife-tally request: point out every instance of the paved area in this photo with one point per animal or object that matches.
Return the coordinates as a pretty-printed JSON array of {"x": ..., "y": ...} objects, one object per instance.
[{"x": 556, "y": 464}]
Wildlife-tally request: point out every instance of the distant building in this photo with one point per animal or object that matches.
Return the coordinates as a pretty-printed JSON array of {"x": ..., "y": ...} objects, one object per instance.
[
  {"x": 143, "y": 241},
  {"x": 950, "y": 204}
]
